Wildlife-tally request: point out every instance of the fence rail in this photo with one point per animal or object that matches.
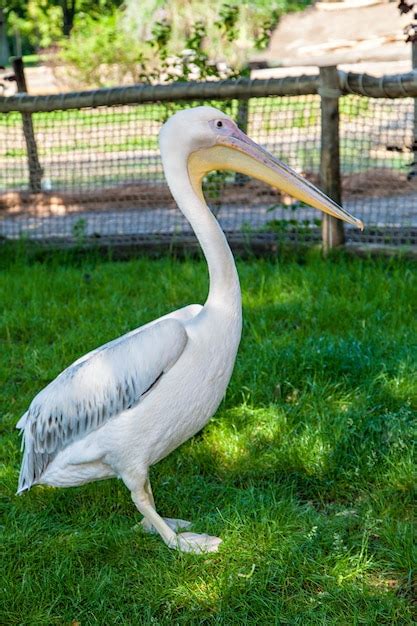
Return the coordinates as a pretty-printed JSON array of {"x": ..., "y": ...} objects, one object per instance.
[
  {"x": 174, "y": 92},
  {"x": 388, "y": 86},
  {"x": 101, "y": 177}
]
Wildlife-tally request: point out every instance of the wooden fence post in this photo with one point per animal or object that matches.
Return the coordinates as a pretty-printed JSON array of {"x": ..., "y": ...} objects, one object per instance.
[
  {"x": 35, "y": 169},
  {"x": 333, "y": 234}
]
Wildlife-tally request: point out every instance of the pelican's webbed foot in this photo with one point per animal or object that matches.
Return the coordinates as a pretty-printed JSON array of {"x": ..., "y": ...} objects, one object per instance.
[
  {"x": 197, "y": 544},
  {"x": 167, "y": 527}
]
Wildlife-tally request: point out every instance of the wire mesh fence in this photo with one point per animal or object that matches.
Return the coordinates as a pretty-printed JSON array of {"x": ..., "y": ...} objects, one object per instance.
[
  {"x": 102, "y": 179},
  {"x": 377, "y": 168},
  {"x": 102, "y": 172}
]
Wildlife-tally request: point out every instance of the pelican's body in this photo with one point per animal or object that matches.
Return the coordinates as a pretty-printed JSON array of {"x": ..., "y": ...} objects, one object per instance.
[
  {"x": 174, "y": 410},
  {"x": 125, "y": 406}
]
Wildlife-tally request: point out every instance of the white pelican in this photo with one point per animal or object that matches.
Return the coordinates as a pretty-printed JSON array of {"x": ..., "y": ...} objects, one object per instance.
[{"x": 124, "y": 406}]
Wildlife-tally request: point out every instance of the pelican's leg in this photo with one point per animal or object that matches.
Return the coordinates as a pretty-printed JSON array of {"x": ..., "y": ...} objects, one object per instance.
[
  {"x": 174, "y": 524},
  {"x": 185, "y": 542}
]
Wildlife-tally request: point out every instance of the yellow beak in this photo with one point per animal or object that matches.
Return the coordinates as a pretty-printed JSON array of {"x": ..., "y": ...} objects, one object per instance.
[{"x": 238, "y": 153}]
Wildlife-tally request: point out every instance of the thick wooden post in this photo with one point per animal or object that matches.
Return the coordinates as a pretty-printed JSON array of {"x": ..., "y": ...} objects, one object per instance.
[
  {"x": 35, "y": 170},
  {"x": 332, "y": 229}
]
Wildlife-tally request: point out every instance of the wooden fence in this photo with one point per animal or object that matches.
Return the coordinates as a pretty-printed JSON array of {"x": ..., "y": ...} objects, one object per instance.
[{"x": 329, "y": 83}]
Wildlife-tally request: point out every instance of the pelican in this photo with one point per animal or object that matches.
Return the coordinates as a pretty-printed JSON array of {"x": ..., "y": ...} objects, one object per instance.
[{"x": 123, "y": 407}]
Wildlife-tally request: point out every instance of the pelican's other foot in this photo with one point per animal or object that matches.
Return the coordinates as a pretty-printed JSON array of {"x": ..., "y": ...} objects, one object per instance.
[
  {"x": 197, "y": 544},
  {"x": 174, "y": 524}
]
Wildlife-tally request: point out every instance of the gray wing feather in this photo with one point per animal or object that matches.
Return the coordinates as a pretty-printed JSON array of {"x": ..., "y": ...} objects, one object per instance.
[{"x": 94, "y": 389}]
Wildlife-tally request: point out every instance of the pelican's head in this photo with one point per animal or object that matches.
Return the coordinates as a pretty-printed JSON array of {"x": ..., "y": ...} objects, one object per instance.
[{"x": 212, "y": 141}]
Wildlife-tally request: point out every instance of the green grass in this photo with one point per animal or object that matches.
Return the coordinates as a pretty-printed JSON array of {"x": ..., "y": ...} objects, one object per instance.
[
  {"x": 130, "y": 143},
  {"x": 306, "y": 471},
  {"x": 31, "y": 60}
]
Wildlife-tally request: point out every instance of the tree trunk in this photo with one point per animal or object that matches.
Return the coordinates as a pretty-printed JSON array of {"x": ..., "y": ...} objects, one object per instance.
[
  {"x": 68, "y": 14},
  {"x": 4, "y": 44}
]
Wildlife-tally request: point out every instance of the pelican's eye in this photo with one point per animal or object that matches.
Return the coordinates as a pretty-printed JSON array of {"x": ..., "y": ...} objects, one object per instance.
[{"x": 219, "y": 124}]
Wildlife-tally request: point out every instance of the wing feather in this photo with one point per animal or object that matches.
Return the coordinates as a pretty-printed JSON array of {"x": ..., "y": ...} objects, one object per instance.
[{"x": 94, "y": 389}]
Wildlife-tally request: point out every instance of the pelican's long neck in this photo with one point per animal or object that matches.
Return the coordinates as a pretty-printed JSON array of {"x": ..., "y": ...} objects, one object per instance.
[{"x": 184, "y": 181}]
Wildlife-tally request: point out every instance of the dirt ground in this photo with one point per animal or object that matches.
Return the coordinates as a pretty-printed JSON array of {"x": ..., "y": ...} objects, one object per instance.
[
  {"x": 371, "y": 184},
  {"x": 142, "y": 195}
]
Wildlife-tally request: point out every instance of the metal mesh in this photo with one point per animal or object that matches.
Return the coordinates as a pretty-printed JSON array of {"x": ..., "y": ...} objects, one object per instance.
[
  {"x": 102, "y": 176},
  {"x": 379, "y": 185}
]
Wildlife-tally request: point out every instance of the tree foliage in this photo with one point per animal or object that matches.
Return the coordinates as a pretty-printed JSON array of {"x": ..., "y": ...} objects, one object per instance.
[
  {"x": 43, "y": 23},
  {"x": 104, "y": 42},
  {"x": 155, "y": 40}
]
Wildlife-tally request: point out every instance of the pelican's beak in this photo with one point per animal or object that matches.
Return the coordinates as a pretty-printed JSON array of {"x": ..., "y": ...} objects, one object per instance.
[{"x": 235, "y": 151}]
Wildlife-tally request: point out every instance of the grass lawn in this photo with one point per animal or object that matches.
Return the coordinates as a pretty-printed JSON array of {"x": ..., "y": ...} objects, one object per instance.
[{"x": 306, "y": 471}]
